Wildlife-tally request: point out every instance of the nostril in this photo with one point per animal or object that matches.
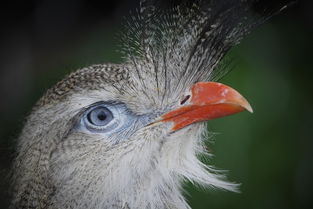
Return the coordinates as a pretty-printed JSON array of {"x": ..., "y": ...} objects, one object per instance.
[{"x": 185, "y": 100}]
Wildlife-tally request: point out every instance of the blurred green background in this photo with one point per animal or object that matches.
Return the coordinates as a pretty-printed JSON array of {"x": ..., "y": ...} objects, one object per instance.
[{"x": 269, "y": 152}]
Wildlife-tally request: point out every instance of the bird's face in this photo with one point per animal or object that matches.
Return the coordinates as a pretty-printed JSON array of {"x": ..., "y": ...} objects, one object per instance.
[{"x": 120, "y": 137}]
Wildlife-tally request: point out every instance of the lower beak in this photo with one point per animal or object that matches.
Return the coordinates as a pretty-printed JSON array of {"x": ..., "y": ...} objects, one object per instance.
[{"x": 207, "y": 101}]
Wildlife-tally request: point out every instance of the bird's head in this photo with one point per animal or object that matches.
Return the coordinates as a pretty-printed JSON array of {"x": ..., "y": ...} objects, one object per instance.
[
  {"x": 108, "y": 135},
  {"x": 126, "y": 135}
]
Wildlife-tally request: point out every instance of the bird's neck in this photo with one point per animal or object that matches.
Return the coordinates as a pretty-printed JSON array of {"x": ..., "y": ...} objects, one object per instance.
[
  {"x": 145, "y": 180},
  {"x": 146, "y": 176}
]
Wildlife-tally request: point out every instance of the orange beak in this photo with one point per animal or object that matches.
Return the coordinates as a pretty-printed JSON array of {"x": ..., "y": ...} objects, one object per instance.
[{"x": 207, "y": 101}]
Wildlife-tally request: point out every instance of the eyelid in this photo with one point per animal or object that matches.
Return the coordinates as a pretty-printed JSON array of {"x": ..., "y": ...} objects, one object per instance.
[
  {"x": 121, "y": 117},
  {"x": 125, "y": 124}
]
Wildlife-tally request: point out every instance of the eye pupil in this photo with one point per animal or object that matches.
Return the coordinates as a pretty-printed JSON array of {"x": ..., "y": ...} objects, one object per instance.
[{"x": 102, "y": 116}]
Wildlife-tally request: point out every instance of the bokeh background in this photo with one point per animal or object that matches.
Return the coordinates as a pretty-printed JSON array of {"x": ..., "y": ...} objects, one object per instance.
[{"x": 269, "y": 152}]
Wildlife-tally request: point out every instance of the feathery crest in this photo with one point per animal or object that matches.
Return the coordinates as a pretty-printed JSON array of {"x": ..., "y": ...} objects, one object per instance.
[{"x": 189, "y": 39}]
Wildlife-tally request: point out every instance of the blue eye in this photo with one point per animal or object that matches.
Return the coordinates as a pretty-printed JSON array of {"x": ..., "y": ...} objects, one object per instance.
[
  {"x": 109, "y": 119},
  {"x": 100, "y": 116}
]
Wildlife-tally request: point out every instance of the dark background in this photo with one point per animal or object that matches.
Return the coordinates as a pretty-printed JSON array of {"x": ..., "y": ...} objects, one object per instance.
[{"x": 269, "y": 152}]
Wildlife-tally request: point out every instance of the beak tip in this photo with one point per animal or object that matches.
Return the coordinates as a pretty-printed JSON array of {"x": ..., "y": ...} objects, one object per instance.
[{"x": 248, "y": 108}]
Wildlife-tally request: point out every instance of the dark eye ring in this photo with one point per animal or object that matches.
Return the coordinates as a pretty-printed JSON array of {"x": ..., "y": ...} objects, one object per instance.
[{"x": 100, "y": 116}]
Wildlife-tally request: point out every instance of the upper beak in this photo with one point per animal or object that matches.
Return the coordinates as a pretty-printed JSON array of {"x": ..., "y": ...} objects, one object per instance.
[{"x": 207, "y": 100}]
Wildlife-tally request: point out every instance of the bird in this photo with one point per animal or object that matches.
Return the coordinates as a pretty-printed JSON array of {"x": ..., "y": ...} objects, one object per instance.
[{"x": 128, "y": 135}]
